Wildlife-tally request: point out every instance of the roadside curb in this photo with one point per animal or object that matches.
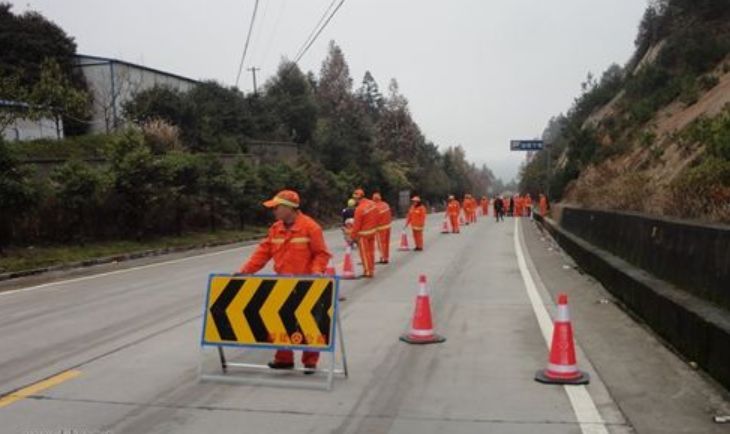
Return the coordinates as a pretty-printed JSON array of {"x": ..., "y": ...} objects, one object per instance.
[{"x": 697, "y": 329}]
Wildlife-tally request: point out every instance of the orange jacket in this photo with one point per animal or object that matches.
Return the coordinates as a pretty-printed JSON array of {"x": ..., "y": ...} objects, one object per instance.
[
  {"x": 366, "y": 219},
  {"x": 416, "y": 217},
  {"x": 384, "y": 215},
  {"x": 453, "y": 208},
  {"x": 300, "y": 249}
]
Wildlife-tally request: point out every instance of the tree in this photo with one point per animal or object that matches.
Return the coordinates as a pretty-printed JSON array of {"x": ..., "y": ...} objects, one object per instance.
[
  {"x": 369, "y": 94},
  {"x": 29, "y": 40},
  {"x": 53, "y": 96},
  {"x": 290, "y": 97},
  {"x": 220, "y": 118},
  {"x": 11, "y": 90}
]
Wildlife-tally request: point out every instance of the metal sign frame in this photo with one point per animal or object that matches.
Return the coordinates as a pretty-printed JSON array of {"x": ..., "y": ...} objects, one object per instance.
[{"x": 336, "y": 341}]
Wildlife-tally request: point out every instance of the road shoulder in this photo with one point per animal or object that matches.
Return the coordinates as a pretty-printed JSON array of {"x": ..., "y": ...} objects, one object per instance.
[{"x": 655, "y": 389}]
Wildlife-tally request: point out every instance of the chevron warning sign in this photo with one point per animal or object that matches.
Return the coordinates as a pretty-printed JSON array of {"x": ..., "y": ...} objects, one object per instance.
[{"x": 270, "y": 311}]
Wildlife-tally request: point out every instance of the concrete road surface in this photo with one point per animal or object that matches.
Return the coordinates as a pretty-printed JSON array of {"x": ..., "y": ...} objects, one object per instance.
[{"x": 118, "y": 352}]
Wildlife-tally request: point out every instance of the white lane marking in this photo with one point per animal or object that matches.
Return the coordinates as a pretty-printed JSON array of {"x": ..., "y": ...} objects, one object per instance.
[
  {"x": 109, "y": 273},
  {"x": 585, "y": 410}
]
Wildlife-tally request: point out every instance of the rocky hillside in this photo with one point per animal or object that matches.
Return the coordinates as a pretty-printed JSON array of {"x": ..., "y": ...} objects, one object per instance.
[{"x": 653, "y": 135}]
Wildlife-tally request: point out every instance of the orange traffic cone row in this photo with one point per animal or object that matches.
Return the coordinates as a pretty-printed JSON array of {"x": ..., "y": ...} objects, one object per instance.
[
  {"x": 562, "y": 367},
  {"x": 445, "y": 227},
  {"x": 403, "y": 242},
  {"x": 330, "y": 270},
  {"x": 348, "y": 270},
  {"x": 422, "y": 325}
]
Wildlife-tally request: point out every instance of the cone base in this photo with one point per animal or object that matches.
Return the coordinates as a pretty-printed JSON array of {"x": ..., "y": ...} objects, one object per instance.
[
  {"x": 542, "y": 377},
  {"x": 343, "y": 277},
  {"x": 435, "y": 339}
]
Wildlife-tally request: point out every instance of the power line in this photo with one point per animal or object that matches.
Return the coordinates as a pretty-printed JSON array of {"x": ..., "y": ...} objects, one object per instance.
[
  {"x": 314, "y": 29},
  {"x": 339, "y": 5},
  {"x": 248, "y": 38}
]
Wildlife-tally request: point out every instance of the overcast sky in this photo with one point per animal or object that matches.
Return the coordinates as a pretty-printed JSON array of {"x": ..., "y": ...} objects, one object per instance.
[{"x": 477, "y": 73}]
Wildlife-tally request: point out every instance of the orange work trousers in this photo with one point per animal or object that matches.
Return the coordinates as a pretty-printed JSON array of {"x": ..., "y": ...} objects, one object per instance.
[
  {"x": 309, "y": 358},
  {"x": 383, "y": 241},
  {"x": 418, "y": 238},
  {"x": 454, "y": 219},
  {"x": 366, "y": 248}
]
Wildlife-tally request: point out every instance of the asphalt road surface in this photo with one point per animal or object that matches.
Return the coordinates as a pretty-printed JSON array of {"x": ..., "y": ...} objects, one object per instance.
[{"x": 117, "y": 351}]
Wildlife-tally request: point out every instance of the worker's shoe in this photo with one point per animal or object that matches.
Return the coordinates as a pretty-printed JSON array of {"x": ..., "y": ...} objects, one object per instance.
[
  {"x": 281, "y": 365},
  {"x": 418, "y": 249},
  {"x": 310, "y": 369}
]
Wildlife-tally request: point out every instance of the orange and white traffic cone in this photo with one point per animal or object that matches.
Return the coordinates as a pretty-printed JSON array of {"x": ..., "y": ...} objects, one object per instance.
[
  {"x": 462, "y": 222},
  {"x": 348, "y": 270},
  {"x": 422, "y": 325},
  {"x": 330, "y": 270},
  {"x": 562, "y": 367},
  {"x": 445, "y": 226},
  {"x": 403, "y": 242}
]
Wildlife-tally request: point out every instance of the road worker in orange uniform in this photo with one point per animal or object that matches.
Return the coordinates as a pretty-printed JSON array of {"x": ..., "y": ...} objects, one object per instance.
[
  {"x": 453, "y": 210},
  {"x": 296, "y": 244},
  {"x": 474, "y": 207},
  {"x": 467, "y": 204},
  {"x": 543, "y": 205},
  {"x": 485, "y": 206},
  {"x": 519, "y": 206},
  {"x": 528, "y": 205},
  {"x": 383, "y": 236},
  {"x": 364, "y": 231},
  {"x": 417, "y": 220}
]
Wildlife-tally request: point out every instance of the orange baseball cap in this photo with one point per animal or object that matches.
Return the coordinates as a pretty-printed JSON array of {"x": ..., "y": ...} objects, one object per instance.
[
  {"x": 288, "y": 198},
  {"x": 359, "y": 193}
]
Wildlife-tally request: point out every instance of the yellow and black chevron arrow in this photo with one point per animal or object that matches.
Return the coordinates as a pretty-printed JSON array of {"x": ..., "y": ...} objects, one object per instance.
[{"x": 250, "y": 310}]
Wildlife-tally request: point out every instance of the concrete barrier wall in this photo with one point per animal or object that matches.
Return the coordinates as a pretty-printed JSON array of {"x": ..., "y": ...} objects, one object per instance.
[
  {"x": 691, "y": 256},
  {"x": 694, "y": 326}
]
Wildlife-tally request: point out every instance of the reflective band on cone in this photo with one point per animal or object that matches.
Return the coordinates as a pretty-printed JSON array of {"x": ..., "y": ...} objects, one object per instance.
[
  {"x": 330, "y": 270},
  {"x": 404, "y": 242},
  {"x": 421, "y": 331},
  {"x": 348, "y": 271},
  {"x": 562, "y": 367}
]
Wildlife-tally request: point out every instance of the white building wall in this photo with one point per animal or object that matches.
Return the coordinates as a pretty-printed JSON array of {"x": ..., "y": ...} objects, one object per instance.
[{"x": 26, "y": 129}]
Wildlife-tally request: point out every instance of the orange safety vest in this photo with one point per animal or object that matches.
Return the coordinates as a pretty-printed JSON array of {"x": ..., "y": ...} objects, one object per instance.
[
  {"x": 366, "y": 219},
  {"x": 299, "y": 249},
  {"x": 416, "y": 217}
]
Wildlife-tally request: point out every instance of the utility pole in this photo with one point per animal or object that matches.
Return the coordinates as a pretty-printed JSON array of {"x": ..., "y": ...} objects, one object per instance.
[{"x": 253, "y": 71}]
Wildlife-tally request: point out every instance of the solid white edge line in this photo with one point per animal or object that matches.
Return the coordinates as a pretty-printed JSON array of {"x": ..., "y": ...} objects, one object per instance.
[
  {"x": 110, "y": 273},
  {"x": 585, "y": 410}
]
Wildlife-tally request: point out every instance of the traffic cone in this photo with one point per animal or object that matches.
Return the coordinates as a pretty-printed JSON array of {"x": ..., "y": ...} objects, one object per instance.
[
  {"x": 562, "y": 367},
  {"x": 330, "y": 270},
  {"x": 461, "y": 219},
  {"x": 422, "y": 326},
  {"x": 348, "y": 270},
  {"x": 445, "y": 227},
  {"x": 404, "y": 242}
]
